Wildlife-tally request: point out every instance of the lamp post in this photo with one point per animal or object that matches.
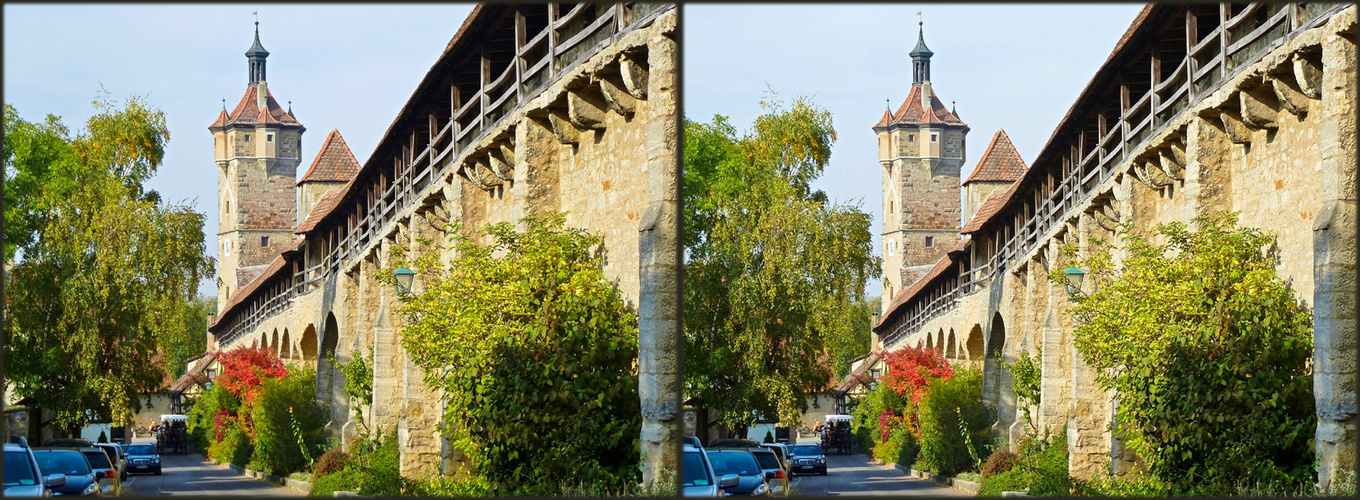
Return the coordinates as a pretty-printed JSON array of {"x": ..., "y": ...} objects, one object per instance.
[
  {"x": 404, "y": 278},
  {"x": 1074, "y": 278}
]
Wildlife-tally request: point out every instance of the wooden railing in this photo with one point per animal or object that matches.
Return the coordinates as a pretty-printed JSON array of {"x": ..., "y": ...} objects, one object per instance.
[
  {"x": 1240, "y": 37},
  {"x": 569, "y": 38}
]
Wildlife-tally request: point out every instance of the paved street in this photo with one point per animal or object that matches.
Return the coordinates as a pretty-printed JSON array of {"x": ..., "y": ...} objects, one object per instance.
[
  {"x": 190, "y": 474},
  {"x": 854, "y": 475}
]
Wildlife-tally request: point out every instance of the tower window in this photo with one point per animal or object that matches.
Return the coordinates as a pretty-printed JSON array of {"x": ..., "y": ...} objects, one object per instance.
[
  {"x": 247, "y": 137},
  {"x": 911, "y": 137},
  {"x": 264, "y": 241},
  {"x": 269, "y": 138},
  {"x": 930, "y": 241},
  {"x": 934, "y": 137}
]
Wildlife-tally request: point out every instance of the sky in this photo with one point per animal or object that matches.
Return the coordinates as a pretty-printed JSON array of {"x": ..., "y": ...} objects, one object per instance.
[
  {"x": 348, "y": 67},
  {"x": 1012, "y": 67}
]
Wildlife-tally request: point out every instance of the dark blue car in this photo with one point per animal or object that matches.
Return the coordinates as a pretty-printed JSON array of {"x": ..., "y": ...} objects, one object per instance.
[{"x": 79, "y": 476}]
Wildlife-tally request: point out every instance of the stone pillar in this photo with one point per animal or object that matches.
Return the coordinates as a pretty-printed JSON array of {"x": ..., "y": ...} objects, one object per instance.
[
  {"x": 421, "y": 441},
  {"x": 1055, "y": 388},
  {"x": 659, "y": 345},
  {"x": 1334, "y": 247},
  {"x": 387, "y": 367}
]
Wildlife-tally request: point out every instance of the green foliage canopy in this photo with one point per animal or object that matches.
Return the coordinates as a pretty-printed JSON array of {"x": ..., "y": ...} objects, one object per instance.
[
  {"x": 1208, "y": 350},
  {"x": 535, "y": 352},
  {"x": 773, "y": 270},
  {"x": 106, "y": 270}
]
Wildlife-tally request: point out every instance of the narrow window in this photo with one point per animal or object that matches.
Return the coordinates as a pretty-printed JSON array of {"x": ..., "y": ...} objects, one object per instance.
[
  {"x": 890, "y": 206},
  {"x": 269, "y": 138},
  {"x": 911, "y": 138},
  {"x": 228, "y": 206},
  {"x": 247, "y": 137},
  {"x": 934, "y": 137},
  {"x": 264, "y": 241},
  {"x": 930, "y": 241}
]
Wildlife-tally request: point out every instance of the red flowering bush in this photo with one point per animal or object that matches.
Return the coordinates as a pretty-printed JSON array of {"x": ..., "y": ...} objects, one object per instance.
[
  {"x": 244, "y": 370},
  {"x": 911, "y": 369}
]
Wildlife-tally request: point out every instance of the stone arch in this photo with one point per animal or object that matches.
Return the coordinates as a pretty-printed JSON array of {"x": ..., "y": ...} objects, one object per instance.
[
  {"x": 274, "y": 344},
  {"x": 286, "y": 348},
  {"x": 930, "y": 341},
  {"x": 939, "y": 342},
  {"x": 308, "y": 343},
  {"x": 330, "y": 337},
  {"x": 951, "y": 351},
  {"x": 264, "y": 340},
  {"x": 996, "y": 342},
  {"x": 974, "y": 344}
]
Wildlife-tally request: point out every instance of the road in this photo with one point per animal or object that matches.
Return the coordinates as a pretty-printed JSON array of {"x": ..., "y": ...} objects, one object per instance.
[
  {"x": 190, "y": 474},
  {"x": 854, "y": 475}
]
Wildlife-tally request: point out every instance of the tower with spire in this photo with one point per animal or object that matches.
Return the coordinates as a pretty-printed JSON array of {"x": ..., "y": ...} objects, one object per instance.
[
  {"x": 257, "y": 147},
  {"x": 921, "y": 148}
]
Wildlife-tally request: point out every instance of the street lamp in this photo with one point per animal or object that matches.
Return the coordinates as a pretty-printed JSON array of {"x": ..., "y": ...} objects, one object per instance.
[
  {"x": 404, "y": 278},
  {"x": 1074, "y": 278}
]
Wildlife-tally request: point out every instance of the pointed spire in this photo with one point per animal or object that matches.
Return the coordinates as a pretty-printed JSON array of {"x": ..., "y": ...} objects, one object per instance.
[
  {"x": 920, "y": 58},
  {"x": 256, "y": 56}
]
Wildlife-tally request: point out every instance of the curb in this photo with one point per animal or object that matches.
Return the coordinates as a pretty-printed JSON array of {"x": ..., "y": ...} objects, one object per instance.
[{"x": 297, "y": 485}]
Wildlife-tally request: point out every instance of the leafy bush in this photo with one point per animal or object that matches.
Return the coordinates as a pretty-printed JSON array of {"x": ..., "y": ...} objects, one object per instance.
[
  {"x": 945, "y": 449},
  {"x": 244, "y": 370},
  {"x": 999, "y": 461},
  {"x": 900, "y": 448},
  {"x": 1208, "y": 351},
  {"x": 359, "y": 383},
  {"x": 209, "y": 416},
  {"x": 235, "y": 447},
  {"x": 1039, "y": 469},
  {"x": 536, "y": 362},
  {"x": 289, "y": 424},
  {"x": 332, "y": 460},
  {"x": 450, "y": 486},
  {"x": 1027, "y": 372},
  {"x": 1132, "y": 485},
  {"x": 346, "y": 479}
]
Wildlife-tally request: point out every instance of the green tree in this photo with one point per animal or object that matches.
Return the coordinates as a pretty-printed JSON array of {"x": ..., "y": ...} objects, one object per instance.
[
  {"x": 845, "y": 348},
  {"x": 192, "y": 338},
  {"x": 104, "y": 270},
  {"x": 1208, "y": 351},
  {"x": 773, "y": 270},
  {"x": 535, "y": 353}
]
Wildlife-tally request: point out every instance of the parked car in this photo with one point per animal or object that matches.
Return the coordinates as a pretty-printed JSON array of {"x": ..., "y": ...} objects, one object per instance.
[
  {"x": 23, "y": 476},
  {"x": 80, "y": 478},
  {"x": 700, "y": 480},
  {"x": 750, "y": 476},
  {"x": 808, "y": 458},
  {"x": 733, "y": 443},
  {"x": 67, "y": 443},
  {"x": 105, "y": 470},
  {"x": 693, "y": 441},
  {"x": 782, "y": 451},
  {"x": 144, "y": 458},
  {"x": 117, "y": 456},
  {"x": 775, "y": 475}
]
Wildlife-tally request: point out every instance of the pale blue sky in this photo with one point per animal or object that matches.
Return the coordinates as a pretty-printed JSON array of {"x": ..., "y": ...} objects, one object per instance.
[
  {"x": 1017, "y": 67},
  {"x": 346, "y": 67}
]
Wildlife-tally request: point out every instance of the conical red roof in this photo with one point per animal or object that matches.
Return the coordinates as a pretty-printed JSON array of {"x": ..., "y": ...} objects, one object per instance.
[
  {"x": 912, "y": 113},
  {"x": 334, "y": 163},
  {"x": 1000, "y": 163}
]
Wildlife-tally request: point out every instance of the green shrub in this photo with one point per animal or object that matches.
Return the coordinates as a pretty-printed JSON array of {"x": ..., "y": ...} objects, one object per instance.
[
  {"x": 1039, "y": 469},
  {"x": 999, "y": 461},
  {"x": 235, "y": 447},
  {"x": 205, "y": 428},
  {"x": 944, "y": 448},
  {"x": 1011, "y": 480},
  {"x": 382, "y": 468},
  {"x": 1208, "y": 350},
  {"x": 537, "y": 365},
  {"x": 1132, "y": 485},
  {"x": 332, "y": 460},
  {"x": 289, "y": 424},
  {"x": 346, "y": 479},
  {"x": 448, "y": 486},
  {"x": 103, "y": 438}
]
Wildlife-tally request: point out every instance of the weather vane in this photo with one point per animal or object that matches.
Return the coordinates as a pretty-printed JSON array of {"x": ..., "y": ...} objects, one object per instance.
[{"x": 920, "y": 20}]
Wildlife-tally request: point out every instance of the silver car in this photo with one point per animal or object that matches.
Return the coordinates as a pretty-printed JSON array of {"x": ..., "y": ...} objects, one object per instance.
[
  {"x": 23, "y": 477},
  {"x": 700, "y": 481}
]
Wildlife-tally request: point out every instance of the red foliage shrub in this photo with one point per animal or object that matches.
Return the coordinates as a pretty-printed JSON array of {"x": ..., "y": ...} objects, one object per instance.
[
  {"x": 244, "y": 370},
  {"x": 911, "y": 369}
]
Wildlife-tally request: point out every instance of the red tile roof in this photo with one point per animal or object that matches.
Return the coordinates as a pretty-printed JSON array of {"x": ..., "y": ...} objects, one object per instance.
[
  {"x": 907, "y": 294},
  {"x": 274, "y": 268},
  {"x": 334, "y": 163},
  {"x": 323, "y": 207},
  {"x": 993, "y": 204},
  {"x": 1000, "y": 163},
  {"x": 859, "y": 376},
  {"x": 248, "y": 111},
  {"x": 911, "y": 112}
]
